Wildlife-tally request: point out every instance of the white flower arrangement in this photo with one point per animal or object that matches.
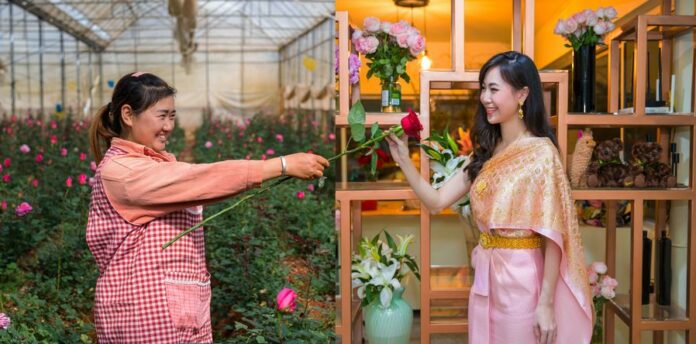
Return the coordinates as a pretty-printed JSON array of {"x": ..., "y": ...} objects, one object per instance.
[{"x": 379, "y": 268}]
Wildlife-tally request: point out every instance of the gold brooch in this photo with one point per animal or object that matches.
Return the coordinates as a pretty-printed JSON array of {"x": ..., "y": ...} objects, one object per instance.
[{"x": 480, "y": 187}]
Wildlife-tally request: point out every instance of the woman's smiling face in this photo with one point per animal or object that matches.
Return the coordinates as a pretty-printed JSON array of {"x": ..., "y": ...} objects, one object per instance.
[
  {"x": 499, "y": 99},
  {"x": 153, "y": 126}
]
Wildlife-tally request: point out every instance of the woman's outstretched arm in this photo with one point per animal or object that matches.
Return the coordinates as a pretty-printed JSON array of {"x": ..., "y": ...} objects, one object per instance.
[{"x": 435, "y": 200}]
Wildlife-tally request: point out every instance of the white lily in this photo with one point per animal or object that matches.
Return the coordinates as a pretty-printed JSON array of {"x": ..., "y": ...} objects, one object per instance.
[
  {"x": 404, "y": 242},
  {"x": 387, "y": 251},
  {"x": 385, "y": 279}
]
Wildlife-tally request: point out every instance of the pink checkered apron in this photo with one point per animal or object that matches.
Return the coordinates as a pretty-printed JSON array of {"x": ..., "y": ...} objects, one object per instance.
[{"x": 145, "y": 294}]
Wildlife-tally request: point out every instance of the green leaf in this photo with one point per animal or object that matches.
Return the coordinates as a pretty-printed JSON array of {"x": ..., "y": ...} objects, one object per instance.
[
  {"x": 356, "y": 119},
  {"x": 373, "y": 164},
  {"x": 261, "y": 340},
  {"x": 374, "y": 129},
  {"x": 406, "y": 77},
  {"x": 453, "y": 145},
  {"x": 390, "y": 241}
]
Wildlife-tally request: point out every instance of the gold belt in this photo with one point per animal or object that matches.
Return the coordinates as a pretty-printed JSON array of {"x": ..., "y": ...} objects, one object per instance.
[{"x": 487, "y": 240}]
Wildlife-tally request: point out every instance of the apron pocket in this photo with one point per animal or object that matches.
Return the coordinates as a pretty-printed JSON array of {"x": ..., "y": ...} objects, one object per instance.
[{"x": 188, "y": 298}]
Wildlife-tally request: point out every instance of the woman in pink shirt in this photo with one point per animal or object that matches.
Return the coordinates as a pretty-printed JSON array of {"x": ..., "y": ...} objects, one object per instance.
[{"x": 141, "y": 198}]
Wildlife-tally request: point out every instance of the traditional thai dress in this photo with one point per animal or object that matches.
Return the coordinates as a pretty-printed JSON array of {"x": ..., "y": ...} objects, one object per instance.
[
  {"x": 140, "y": 200},
  {"x": 520, "y": 197}
]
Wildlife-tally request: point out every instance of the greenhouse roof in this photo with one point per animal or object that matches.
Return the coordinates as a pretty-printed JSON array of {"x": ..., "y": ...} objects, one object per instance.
[{"x": 256, "y": 24}]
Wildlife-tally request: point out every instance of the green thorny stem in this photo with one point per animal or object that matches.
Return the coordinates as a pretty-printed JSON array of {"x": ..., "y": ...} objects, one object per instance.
[{"x": 398, "y": 130}]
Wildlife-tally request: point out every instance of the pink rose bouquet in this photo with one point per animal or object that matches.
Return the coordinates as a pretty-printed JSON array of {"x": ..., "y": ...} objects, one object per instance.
[
  {"x": 603, "y": 289},
  {"x": 388, "y": 46},
  {"x": 587, "y": 27}
]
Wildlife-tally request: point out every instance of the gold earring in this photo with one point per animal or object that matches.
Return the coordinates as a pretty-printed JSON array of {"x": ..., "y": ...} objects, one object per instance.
[{"x": 520, "y": 113}]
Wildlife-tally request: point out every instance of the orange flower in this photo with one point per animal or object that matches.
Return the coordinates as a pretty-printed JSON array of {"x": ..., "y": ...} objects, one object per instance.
[{"x": 465, "y": 145}]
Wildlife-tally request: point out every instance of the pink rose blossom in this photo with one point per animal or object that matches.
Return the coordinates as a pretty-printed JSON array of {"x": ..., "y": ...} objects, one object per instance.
[
  {"x": 592, "y": 276},
  {"x": 208, "y": 144},
  {"x": 82, "y": 179},
  {"x": 399, "y": 28},
  {"x": 3, "y": 205},
  {"x": 609, "y": 282},
  {"x": 247, "y": 157},
  {"x": 367, "y": 45},
  {"x": 54, "y": 124},
  {"x": 35, "y": 183},
  {"x": 270, "y": 151},
  {"x": 610, "y": 12},
  {"x": 63, "y": 152},
  {"x": 402, "y": 40},
  {"x": 4, "y": 321},
  {"x": 279, "y": 137},
  {"x": 263, "y": 156},
  {"x": 300, "y": 195},
  {"x": 310, "y": 187},
  {"x": 92, "y": 165},
  {"x": 571, "y": 25},
  {"x": 7, "y": 162},
  {"x": 416, "y": 45},
  {"x": 599, "y": 267},
  {"x": 6, "y": 178},
  {"x": 386, "y": 27},
  {"x": 23, "y": 209},
  {"x": 39, "y": 158},
  {"x": 371, "y": 24},
  {"x": 68, "y": 182},
  {"x": 24, "y": 149},
  {"x": 561, "y": 28},
  {"x": 83, "y": 156},
  {"x": 54, "y": 139},
  {"x": 332, "y": 136},
  {"x": 357, "y": 34},
  {"x": 607, "y": 292},
  {"x": 601, "y": 27},
  {"x": 259, "y": 139},
  {"x": 0, "y": 168},
  {"x": 579, "y": 17},
  {"x": 590, "y": 17},
  {"x": 285, "y": 300}
]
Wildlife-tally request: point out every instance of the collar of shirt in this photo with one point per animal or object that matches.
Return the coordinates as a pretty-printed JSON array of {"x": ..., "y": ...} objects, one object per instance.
[{"x": 138, "y": 149}]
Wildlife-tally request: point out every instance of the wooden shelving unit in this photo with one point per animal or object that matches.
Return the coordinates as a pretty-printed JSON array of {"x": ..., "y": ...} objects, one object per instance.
[{"x": 628, "y": 308}]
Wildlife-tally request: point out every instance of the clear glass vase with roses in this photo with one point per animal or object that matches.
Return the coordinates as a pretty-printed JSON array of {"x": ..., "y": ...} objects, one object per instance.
[
  {"x": 388, "y": 47},
  {"x": 603, "y": 288}
]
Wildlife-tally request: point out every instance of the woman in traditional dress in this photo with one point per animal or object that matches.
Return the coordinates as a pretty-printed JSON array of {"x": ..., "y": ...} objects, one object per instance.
[
  {"x": 530, "y": 283},
  {"x": 141, "y": 198}
]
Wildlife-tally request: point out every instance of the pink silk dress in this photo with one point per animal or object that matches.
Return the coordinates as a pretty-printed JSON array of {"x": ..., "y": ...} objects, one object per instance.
[{"x": 520, "y": 191}]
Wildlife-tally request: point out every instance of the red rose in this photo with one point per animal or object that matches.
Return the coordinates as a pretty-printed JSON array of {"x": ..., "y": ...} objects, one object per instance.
[{"x": 411, "y": 125}]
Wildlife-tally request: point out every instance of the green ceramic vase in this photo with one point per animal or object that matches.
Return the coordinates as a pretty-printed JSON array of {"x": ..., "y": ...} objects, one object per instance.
[{"x": 389, "y": 325}]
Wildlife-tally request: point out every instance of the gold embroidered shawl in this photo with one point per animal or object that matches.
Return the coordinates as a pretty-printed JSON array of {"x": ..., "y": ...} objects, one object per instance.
[{"x": 525, "y": 187}]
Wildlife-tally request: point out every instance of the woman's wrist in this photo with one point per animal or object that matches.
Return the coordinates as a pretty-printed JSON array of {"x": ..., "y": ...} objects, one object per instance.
[{"x": 272, "y": 168}]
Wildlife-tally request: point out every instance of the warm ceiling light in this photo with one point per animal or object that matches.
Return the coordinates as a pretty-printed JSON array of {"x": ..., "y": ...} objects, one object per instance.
[
  {"x": 411, "y": 3},
  {"x": 426, "y": 62}
]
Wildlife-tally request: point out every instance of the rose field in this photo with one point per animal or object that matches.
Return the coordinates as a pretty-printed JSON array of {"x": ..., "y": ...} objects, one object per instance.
[{"x": 283, "y": 238}]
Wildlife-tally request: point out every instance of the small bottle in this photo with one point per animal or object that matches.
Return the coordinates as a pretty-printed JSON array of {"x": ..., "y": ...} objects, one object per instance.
[
  {"x": 663, "y": 270},
  {"x": 391, "y": 95},
  {"x": 647, "y": 255}
]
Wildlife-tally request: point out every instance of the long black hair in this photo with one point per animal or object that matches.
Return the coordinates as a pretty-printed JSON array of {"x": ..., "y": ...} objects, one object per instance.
[
  {"x": 139, "y": 91},
  {"x": 518, "y": 70}
]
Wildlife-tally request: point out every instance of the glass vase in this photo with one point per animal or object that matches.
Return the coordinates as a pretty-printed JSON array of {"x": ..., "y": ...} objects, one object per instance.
[
  {"x": 389, "y": 325},
  {"x": 391, "y": 95}
]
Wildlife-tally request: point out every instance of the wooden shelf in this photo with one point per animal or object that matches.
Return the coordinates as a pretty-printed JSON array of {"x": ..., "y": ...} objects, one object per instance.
[
  {"x": 627, "y": 120},
  {"x": 653, "y": 316},
  {"x": 453, "y": 325},
  {"x": 363, "y": 191},
  {"x": 385, "y": 119},
  {"x": 678, "y": 193},
  {"x": 676, "y": 25}
]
